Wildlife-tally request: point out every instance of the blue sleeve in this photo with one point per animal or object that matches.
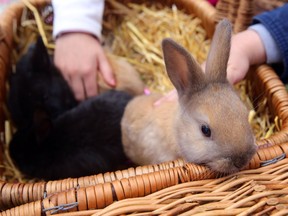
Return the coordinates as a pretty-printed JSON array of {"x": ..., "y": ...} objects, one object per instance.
[
  {"x": 276, "y": 22},
  {"x": 273, "y": 53}
]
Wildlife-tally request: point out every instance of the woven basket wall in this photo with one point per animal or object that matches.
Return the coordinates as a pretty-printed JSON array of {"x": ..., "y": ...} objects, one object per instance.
[
  {"x": 188, "y": 189},
  {"x": 241, "y": 12}
]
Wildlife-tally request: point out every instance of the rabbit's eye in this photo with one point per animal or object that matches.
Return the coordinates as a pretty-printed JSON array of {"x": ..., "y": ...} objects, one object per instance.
[{"x": 206, "y": 130}]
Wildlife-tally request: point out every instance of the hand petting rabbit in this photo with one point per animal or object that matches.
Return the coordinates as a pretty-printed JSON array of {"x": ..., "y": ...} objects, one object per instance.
[
  {"x": 209, "y": 123},
  {"x": 56, "y": 136},
  {"x": 127, "y": 78}
]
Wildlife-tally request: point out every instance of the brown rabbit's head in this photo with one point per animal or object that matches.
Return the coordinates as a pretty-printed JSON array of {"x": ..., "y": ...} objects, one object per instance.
[{"x": 212, "y": 123}]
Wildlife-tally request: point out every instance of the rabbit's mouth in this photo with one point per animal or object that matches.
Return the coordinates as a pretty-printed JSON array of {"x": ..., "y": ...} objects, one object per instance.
[{"x": 226, "y": 165}]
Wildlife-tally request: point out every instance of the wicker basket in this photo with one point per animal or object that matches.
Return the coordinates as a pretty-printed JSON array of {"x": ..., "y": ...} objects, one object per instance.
[
  {"x": 188, "y": 189},
  {"x": 241, "y": 12}
]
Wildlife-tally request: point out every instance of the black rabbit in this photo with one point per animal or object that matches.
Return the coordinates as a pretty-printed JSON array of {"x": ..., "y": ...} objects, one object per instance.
[
  {"x": 56, "y": 137},
  {"x": 37, "y": 85}
]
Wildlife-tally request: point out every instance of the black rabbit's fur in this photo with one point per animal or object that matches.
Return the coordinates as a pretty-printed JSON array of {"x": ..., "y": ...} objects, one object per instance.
[
  {"x": 56, "y": 137},
  {"x": 37, "y": 84}
]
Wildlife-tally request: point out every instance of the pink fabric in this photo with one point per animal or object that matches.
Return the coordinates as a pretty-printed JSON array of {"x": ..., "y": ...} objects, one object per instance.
[{"x": 213, "y": 2}]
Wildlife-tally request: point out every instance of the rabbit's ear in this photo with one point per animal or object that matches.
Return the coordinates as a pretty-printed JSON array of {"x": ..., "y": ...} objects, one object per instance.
[
  {"x": 40, "y": 58},
  {"x": 184, "y": 72},
  {"x": 216, "y": 64}
]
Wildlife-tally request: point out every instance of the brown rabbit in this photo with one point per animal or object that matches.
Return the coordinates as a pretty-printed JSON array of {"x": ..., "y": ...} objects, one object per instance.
[
  {"x": 209, "y": 123},
  {"x": 127, "y": 78}
]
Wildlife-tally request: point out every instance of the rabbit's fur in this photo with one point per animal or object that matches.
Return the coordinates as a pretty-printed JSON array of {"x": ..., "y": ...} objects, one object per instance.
[
  {"x": 37, "y": 84},
  {"x": 56, "y": 137},
  {"x": 209, "y": 123},
  {"x": 127, "y": 77}
]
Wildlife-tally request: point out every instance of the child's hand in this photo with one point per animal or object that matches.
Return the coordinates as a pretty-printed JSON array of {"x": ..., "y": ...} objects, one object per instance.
[
  {"x": 79, "y": 57},
  {"x": 246, "y": 49}
]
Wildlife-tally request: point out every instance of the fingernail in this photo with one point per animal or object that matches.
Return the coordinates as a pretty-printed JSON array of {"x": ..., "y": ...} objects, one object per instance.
[{"x": 112, "y": 82}]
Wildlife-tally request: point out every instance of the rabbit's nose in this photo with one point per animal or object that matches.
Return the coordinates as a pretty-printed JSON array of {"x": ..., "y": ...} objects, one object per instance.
[{"x": 239, "y": 161}]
